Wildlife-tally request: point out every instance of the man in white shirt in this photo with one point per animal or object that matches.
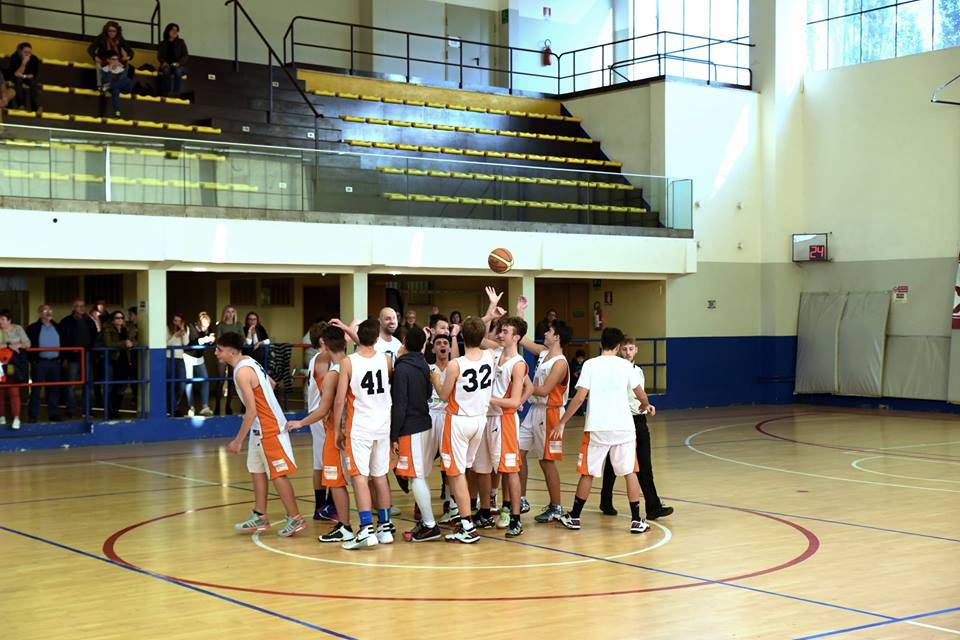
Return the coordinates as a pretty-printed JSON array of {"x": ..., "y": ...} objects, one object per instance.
[
  {"x": 388, "y": 343},
  {"x": 609, "y": 429}
]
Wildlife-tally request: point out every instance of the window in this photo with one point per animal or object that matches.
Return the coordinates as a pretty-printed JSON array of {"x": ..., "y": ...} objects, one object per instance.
[
  {"x": 61, "y": 289},
  {"x": 277, "y": 292},
  {"x": 845, "y": 32},
  {"x": 243, "y": 292},
  {"x": 106, "y": 287}
]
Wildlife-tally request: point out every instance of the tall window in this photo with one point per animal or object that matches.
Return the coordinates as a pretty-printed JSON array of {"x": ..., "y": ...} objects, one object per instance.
[
  {"x": 844, "y": 32},
  {"x": 697, "y": 38}
]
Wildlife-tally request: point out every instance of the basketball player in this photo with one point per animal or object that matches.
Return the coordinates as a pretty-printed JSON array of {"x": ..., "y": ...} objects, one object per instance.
[
  {"x": 269, "y": 453},
  {"x": 332, "y": 348},
  {"x": 609, "y": 427},
  {"x": 500, "y": 451},
  {"x": 438, "y": 413},
  {"x": 411, "y": 430},
  {"x": 466, "y": 388},
  {"x": 363, "y": 395},
  {"x": 318, "y": 365}
]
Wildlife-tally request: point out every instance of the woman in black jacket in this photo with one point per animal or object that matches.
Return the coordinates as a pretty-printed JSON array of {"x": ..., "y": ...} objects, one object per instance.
[
  {"x": 24, "y": 68},
  {"x": 255, "y": 338},
  {"x": 172, "y": 56},
  {"x": 110, "y": 39}
]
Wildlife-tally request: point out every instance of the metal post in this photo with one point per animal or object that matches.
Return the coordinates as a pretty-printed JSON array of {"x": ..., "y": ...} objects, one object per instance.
[
  {"x": 270, "y": 86},
  {"x": 408, "y": 57},
  {"x": 351, "y": 50},
  {"x": 710, "y": 62},
  {"x": 143, "y": 382},
  {"x": 293, "y": 45},
  {"x": 83, "y": 17},
  {"x": 461, "y": 64},
  {"x": 106, "y": 385},
  {"x": 510, "y": 72},
  {"x": 85, "y": 354},
  {"x": 603, "y": 63},
  {"x": 574, "y": 72},
  {"x": 655, "y": 364}
]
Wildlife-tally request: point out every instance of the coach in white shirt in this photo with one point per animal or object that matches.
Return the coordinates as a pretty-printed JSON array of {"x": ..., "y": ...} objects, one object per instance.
[{"x": 388, "y": 343}]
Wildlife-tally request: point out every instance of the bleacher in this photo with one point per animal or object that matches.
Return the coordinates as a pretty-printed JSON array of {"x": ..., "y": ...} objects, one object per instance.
[{"x": 501, "y": 146}]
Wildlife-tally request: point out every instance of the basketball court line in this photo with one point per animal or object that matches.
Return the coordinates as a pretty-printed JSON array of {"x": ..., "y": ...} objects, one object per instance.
[
  {"x": 856, "y": 465},
  {"x": 689, "y": 440},
  {"x": 907, "y": 619},
  {"x": 101, "y": 495},
  {"x": 178, "y": 583}
]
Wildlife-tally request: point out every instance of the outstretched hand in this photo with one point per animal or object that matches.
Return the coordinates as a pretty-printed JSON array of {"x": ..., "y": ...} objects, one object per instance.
[
  {"x": 492, "y": 295},
  {"x": 522, "y": 304}
]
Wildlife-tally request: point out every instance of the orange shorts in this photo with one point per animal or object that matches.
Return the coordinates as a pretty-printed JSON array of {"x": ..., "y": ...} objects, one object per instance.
[
  {"x": 416, "y": 456},
  {"x": 332, "y": 463}
]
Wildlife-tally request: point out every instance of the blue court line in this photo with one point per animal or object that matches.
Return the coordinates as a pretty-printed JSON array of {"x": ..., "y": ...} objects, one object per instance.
[
  {"x": 880, "y": 624},
  {"x": 246, "y": 605},
  {"x": 112, "y": 493}
]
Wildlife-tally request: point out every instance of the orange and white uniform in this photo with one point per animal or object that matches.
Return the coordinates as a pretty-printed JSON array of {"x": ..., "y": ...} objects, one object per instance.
[
  {"x": 269, "y": 450},
  {"x": 332, "y": 461},
  {"x": 500, "y": 449},
  {"x": 367, "y": 426},
  {"x": 438, "y": 408},
  {"x": 317, "y": 431},
  {"x": 609, "y": 429},
  {"x": 467, "y": 413},
  {"x": 544, "y": 413}
]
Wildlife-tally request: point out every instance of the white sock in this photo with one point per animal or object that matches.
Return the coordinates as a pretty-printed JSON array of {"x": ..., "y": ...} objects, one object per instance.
[{"x": 421, "y": 493}]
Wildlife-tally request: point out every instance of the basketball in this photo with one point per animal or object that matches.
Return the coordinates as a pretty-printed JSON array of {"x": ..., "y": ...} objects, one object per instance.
[{"x": 500, "y": 260}]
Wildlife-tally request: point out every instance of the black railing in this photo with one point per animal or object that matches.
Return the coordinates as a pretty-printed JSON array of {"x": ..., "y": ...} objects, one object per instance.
[
  {"x": 936, "y": 92},
  {"x": 271, "y": 57},
  {"x": 153, "y": 23},
  {"x": 411, "y": 38}
]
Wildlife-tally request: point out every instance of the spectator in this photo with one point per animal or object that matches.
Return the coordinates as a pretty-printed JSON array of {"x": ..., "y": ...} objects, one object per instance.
[
  {"x": 172, "y": 56},
  {"x": 45, "y": 365},
  {"x": 120, "y": 340},
  {"x": 544, "y": 324},
  {"x": 132, "y": 315},
  {"x": 109, "y": 41},
  {"x": 576, "y": 365},
  {"x": 76, "y": 330},
  {"x": 456, "y": 320},
  {"x": 98, "y": 314},
  {"x": 114, "y": 78},
  {"x": 255, "y": 338},
  {"x": 228, "y": 324},
  {"x": 24, "y": 68},
  {"x": 201, "y": 338},
  {"x": 178, "y": 336},
  {"x": 13, "y": 345},
  {"x": 6, "y": 95}
]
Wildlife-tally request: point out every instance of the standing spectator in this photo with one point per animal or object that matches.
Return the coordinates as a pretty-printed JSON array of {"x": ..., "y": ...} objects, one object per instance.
[
  {"x": 544, "y": 324},
  {"x": 24, "y": 68},
  {"x": 45, "y": 365},
  {"x": 98, "y": 314},
  {"x": 172, "y": 56},
  {"x": 114, "y": 79},
  {"x": 255, "y": 338},
  {"x": 13, "y": 341},
  {"x": 201, "y": 338},
  {"x": 132, "y": 316},
  {"x": 576, "y": 365},
  {"x": 178, "y": 336},
  {"x": 456, "y": 320},
  {"x": 110, "y": 40},
  {"x": 228, "y": 324},
  {"x": 76, "y": 330},
  {"x": 120, "y": 340},
  {"x": 409, "y": 322}
]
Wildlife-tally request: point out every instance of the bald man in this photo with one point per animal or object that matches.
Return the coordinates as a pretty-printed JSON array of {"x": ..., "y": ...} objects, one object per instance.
[{"x": 388, "y": 343}]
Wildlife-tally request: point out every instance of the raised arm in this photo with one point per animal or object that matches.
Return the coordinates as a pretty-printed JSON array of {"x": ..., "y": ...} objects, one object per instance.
[
  {"x": 531, "y": 346},
  {"x": 350, "y": 330},
  {"x": 494, "y": 299}
]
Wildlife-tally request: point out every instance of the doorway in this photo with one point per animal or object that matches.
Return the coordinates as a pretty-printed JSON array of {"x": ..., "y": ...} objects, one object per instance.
[{"x": 477, "y": 25}]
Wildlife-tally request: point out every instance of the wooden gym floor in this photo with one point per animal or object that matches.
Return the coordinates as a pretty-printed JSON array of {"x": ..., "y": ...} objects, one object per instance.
[{"x": 790, "y": 522}]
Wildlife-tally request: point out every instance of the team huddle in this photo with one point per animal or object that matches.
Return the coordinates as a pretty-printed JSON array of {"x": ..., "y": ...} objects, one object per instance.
[{"x": 384, "y": 407}]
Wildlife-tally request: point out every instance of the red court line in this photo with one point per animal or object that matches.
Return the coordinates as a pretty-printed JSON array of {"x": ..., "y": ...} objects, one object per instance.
[
  {"x": 759, "y": 427},
  {"x": 813, "y": 545}
]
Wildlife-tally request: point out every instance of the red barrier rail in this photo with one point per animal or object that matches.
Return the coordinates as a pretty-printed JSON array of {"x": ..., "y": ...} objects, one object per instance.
[{"x": 62, "y": 383}]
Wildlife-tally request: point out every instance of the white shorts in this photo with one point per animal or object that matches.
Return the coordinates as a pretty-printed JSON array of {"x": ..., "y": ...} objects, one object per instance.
[
  {"x": 273, "y": 455},
  {"x": 437, "y": 420},
  {"x": 319, "y": 435},
  {"x": 535, "y": 414},
  {"x": 417, "y": 452},
  {"x": 488, "y": 455},
  {"x": 462, "y": 436},
  {"x": 533, "y": 433},
  {"x": 366, "y": 457},
  {"x": 595, "y": 446}
]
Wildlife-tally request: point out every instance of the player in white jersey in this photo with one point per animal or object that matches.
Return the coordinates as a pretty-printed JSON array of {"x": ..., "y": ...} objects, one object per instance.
[
  {"x": 269, "y": 453},
  {"x": 501, "y": 449},
  {"x": 609, "y": 429},
  {"x": 467, "y": 389},
  {"x": 332, "y": 348},
  {"x": 438, "y": 414},
  {"x": 363, "y": 396},
  {"x": 317, "y": 367}
]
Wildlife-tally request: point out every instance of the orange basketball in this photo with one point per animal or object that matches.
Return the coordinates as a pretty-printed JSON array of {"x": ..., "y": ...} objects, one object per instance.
[{"x": 500, "y": 260}]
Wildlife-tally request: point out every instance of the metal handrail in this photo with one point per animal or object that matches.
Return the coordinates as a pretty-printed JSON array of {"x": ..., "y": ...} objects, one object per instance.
[
  {"x": 155, "y": 33},
  {"x": 290, "y": 35},
  {"x": 935, "y": 97},
  {"x": 271, "y": 56}
]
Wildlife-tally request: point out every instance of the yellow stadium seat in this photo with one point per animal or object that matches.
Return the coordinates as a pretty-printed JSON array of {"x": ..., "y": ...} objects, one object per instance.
[
  {"x": 84, "y": 92},
  {"x": 422, "y": 125},
  {"x": 527, "y": 134},
  {"x": 400, "y": 123},
  {"x": 599, "y": 207},
  {"x": 558, "y": 205},
  {"x": 151, "y": 182},
  {"x": 465, "y": 200},
  {"x": 546, "y": 136},
  {"x": 385, "y": 145},
  {"x": 536, "y": 205},
  {"x": 547, "y": 181},
  {"x": 538, "y": 116},
  {"x": 444, "y": 127},
  {"x": 623, "y": 187},
  {"x": 551, "y": 116},
  {"x": 429, "y": 149},
  {"x": 55, "y": 116},
  {"x": 90, "y": 65},
  {"x": 457, "y": 107},
  {"x": 536, "y": 157},
  {"x": 417, "y": 172},
  {"x": 528, "y": 180},
  {"x": 211, "y": 156},
  {"x": 507, "y": 178},
  {"x": 422, "y": 198},
  {"x": 371, "y": 98},
  {"x": 347, "y": 118},
  {"x": 565, "y": 139},
  {"x": 473, "y": 152},
  {"x": 519, "y": 114},
  {"x": 148, "y": 124},
  {"x": 619, "y": 209},
  {"x": 347, "y": 95},
  {"x": 612, "y": 163},
  {"x": 391, "y": 170},
  {"x": 516, "y": 156},
  {"x": 491, "y": 202},
  {"x": 447, "y": 199},
  {"x": 393, "y": 100},
  {"x": 21, "y": 113},
  {"x": 169, "y": 100},
  {"x": 575, "y": 161},
  {"x": 16, "y": 173},
  {"x": 55, "y": 62},
  {"x": 434, "y": 173},
  {"x": 579, "y": 207},
  {"x": 437, "y": 105},
  {"x": 467, "y": 129},
  {"x": 571, "y": 119},
  {"x": 173, "y": 126},
  {"x": 415, "y": 103},
  {"x": 556, "y": 159},
  {"x": 122, "y": 180},
  {"x": 484, "y": 176},
  {"x": 52, "y": 175},
  {"x": 568, "y": 183},
  {"x": 205, "y": 129},
  {"x": 488, "y": 132},
  {"x": 377, "y": 121},
  {"x": 460, "y": 175},
  {"x": 408, "y": 147},
  {"x": 121, "y": 122},
  {"x": 159, "y": 99},
  {"x": 86, "y": 177},
  {"x": 477, "y": 109},
  {"x": 509, "y": 134},
  {"x": 245, "y": 188},
  {"x": 583, "y": 140},
  {"x": 395, "y": 196},
  {"x": 514, "y": 203},
  {"x": 359, "y": 143},
  {"x": 96, "y": 120},
  {"x": 593, "y": 161},
  {"x": 55, "y": 88},
  {"x": 498, "y": 112},
  {"x": 325, "y": 93},
  {"x": 495, "y": 154},
  {"x": 93, "y": 148},
  {"x": 453, "y": 150}
]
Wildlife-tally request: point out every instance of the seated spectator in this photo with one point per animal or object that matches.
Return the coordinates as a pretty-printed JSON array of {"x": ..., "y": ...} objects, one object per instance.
[
  {"x": 24, "y": 69},
  {"x": 13, "y": 345},
  {"x": 172, "y": 56},
  {"x": 44, "y": 365},
  {"x": 119, "y": 340},
  {"x": 256, "y": 339},
  {"x": 114, "y": 78},
  {"x": 110, "y": 41}
]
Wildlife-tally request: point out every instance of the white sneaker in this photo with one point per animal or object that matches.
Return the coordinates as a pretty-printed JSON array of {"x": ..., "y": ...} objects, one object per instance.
[
  {"x": 15, "y": 424},
  {"x": 338, "y": 534},
  {"x": 384, "y": 534},
  {"x": 364, "y": 538},
  {"x": 206, "y": 411},
  {"x": 190, "y": 412},
  {"x": 3, "y": 421},
  {"x": 451, "y": 515},
  {"x": 639, "y": 526},
  {"x": 503, "y": 519}
]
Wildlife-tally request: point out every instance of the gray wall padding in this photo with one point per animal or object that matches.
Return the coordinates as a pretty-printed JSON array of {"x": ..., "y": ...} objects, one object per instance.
[
  {"x": 863, "y": 334},
  {"x": 916, "y": 367},
  {"x": 817, "y": 337}
]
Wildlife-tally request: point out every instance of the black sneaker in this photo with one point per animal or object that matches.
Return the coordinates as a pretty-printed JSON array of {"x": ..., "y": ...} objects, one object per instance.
[
  {"x": 662, "y": 512},
  {"x": 514, "y": 530},
  {"x": 607, "y": 509},
  {"x": 484, "y": 522},
  {"x": 426, "y": 534}
]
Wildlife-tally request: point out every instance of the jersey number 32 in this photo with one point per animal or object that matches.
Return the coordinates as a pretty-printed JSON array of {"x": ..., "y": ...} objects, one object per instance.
[{"x": 471, "y": 376}]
